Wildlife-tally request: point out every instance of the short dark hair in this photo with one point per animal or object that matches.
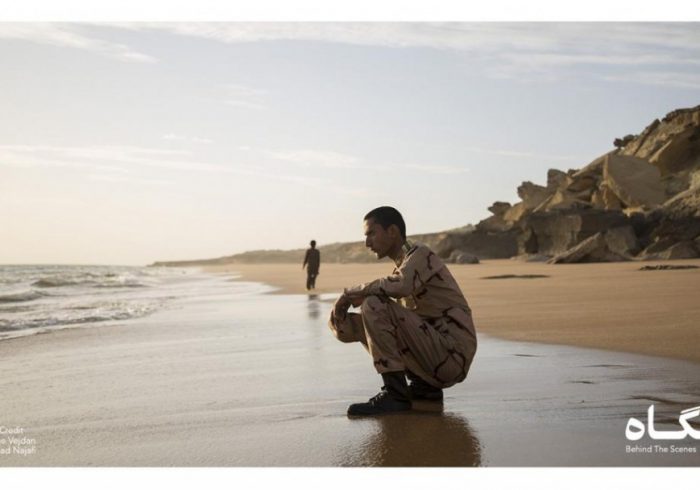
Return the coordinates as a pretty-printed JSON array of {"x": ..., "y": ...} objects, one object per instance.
[
  {"x": 387, "y": 216},
  {"x": 313, "y": 243}
]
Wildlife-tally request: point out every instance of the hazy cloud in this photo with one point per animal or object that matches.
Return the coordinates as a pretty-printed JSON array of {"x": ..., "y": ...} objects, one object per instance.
[
  {"x": 70, "y": 36},
  {"x": 522, "y": 50},
  {"x": 128, "y": 159},
  {"x": 521, "y": 154},
  {"x": 514, "y": 47},
  {"x": 187, "y": 139},
  {"x": 664, "y": 79},
  {"x": 332, "y": 159},
  {"x": 242, "y": 96},
  {"x": 317, "y": 158},
  {"x": 434, "y": 169}
]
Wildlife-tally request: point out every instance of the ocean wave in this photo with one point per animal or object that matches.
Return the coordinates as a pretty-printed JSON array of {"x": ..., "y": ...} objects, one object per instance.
[
  {"x": 50, "y": 282},
  {"x": 35, "y": 299},
  {"x": 99, "y": 315},
  {"x": 20, "y": 297},
  {"x": 122, "y": 285}
]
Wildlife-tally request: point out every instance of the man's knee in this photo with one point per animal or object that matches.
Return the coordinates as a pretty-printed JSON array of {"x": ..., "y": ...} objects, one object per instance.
[
  {"x": 343, "y": 333},
  {"x": 372, "y": 304}
]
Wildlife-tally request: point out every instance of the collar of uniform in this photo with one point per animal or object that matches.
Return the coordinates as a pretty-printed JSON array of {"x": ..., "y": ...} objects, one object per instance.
[{"x": 404, "y": 250}]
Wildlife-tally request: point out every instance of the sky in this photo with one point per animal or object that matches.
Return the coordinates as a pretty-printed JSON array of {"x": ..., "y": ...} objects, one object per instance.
[{"x": 128, "y": 143}]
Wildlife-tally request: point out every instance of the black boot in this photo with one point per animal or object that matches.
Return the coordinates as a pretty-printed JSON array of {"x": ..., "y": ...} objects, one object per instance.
[
  {"x": 394, "y": 397},
  {"x": 421, "y": 390}
]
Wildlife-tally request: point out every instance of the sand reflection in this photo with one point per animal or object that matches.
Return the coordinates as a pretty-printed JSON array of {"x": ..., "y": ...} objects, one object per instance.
[{"x": 314, "y": 306}]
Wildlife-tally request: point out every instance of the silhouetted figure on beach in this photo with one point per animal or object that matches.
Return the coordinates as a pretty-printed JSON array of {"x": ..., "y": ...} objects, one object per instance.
[
  {"x": 312, "y": 262},
  {"x": 415, "y": 323}
]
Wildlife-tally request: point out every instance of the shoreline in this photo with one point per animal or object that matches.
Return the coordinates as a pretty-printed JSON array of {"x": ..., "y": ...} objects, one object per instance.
[
  {"x": 235, "y": 377},
  {"x": 232, "y": 377},
  {"x": 608, "y": 306}
]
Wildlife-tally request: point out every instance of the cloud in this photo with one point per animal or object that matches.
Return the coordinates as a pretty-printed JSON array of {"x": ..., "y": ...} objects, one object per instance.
[
  {"x": 317, "y": 158},
  {"x": 332, "y": 159},
  {"x": 127, "y": 159},
  {"x": 122, "y": 179},
  {"x": 122, "y": 158},
  {"x": 521, "y": 154},
  {"x": 665, "y": 79},
  {"x": 530, "y": 51},
  {"x": 580, "y": 39},
  {"x": 241, "y": 96},
  {"x": 244, "y": 104},
  {"x": 187, "y": 139},
  {"x": 508, "y": 50},
  {"x": 70, "y": 36},
  {"x": 74, "y": 154},
  {"x": 434, "y": 169},
  {"x": 105, "y": 161},
  {"x": 337, "y": 160}
]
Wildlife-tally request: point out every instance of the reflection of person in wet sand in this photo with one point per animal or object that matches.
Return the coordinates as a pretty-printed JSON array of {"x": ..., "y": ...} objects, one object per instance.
[
  {"x": 418, "y": 438},
  {"x": 312, "y": 262},
  {"x": 429, "y": 336},
  {"x": 314, "y": 306}
]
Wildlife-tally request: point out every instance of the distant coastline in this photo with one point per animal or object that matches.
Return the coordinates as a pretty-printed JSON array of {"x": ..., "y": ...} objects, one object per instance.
[{"x": 339, "y": 253}]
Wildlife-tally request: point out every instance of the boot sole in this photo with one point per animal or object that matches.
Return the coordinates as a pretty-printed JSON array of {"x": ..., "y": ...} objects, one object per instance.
[
  {"x": 376, "y": 414},
  {"x": 428, "y": 398},
  {"x": 369, "y": 413}
]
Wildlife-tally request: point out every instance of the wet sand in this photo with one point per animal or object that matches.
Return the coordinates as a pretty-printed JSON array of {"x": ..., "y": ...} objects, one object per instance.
[
  {"x": 258, "y": 380},
  {"x": 611, "y": 306}
]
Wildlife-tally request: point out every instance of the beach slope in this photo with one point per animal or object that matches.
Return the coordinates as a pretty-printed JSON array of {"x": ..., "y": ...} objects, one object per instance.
[{"x": 612, "y": 306}]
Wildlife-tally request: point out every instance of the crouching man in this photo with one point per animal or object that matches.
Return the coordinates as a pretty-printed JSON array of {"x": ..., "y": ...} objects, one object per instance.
[{"x": 415, "y": 323}]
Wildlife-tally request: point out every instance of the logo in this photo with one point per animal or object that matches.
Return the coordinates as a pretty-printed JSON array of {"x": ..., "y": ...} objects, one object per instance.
[{"x": 635, "y": 428}]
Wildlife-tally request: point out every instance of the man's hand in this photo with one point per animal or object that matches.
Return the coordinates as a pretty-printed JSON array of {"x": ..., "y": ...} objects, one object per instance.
[
  {"x": 343, "y": 304},
  {"x": 356, "y": 301},
  {"x": 341, "y": 307}
]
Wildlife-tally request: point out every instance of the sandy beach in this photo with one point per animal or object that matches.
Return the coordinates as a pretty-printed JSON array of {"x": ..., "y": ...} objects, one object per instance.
[
  {"x": 612, "y": 306},
  {"x": 234, "y": 376}
]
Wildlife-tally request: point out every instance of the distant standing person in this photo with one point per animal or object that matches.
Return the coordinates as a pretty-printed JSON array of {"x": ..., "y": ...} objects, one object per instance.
[
  {"x": 415, "y": 323},
  {"x": 312, "y": 259}
]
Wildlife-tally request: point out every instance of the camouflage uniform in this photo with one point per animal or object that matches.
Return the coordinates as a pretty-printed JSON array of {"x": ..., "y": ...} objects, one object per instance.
[{"x": 428, "y": 332}]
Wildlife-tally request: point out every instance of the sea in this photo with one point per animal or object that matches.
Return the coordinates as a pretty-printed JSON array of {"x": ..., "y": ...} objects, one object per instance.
[{"x": 39, "y": 298}]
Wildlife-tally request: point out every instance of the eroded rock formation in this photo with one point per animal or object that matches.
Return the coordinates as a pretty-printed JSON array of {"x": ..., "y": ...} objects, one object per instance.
[{"x": 640, "y": 201}]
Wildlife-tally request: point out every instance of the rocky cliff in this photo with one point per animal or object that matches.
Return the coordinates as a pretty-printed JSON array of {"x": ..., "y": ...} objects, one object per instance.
[{"x": 639, "y": 201}]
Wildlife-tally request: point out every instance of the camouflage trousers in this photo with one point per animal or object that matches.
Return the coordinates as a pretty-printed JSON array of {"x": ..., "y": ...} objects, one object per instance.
[{"x": 398, "y": 339}]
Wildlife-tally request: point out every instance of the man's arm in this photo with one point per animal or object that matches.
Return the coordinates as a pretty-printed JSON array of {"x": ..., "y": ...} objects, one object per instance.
[
  {"x": 418, "y": 266},
  {"x": 306, "y": 259}
]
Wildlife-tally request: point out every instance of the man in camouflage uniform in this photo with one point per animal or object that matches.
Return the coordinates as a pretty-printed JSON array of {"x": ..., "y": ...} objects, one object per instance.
[{"x": 415, "y": 322}]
